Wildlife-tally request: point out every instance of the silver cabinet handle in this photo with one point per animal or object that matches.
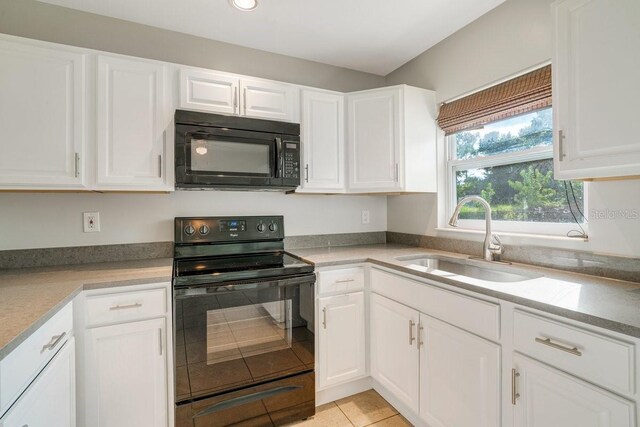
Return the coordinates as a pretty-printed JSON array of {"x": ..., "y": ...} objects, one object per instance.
[
  {"x": 514, "y": 394},
  {"x": 235, "y": 100},
  {"x": 160, "y": 165},
  {"x": 160, "y": 339},
  {"x": 420, "y": 329},
  {"x": 244, "y": 102},
  {"x": 306, "y": 173},
  {"x": 561, "y": 154},
  {"x": 77, "y": 165},
  {"x": 55, "y": 340},
  {"x": 411, "y": 337},
  {"x": 324, "y": 317},
  {"x": 124, "y": 307},
  {"x": 345, "y": 281},
  {"x": 397, "y": 173},
  {"x": 570, "y": 350}
]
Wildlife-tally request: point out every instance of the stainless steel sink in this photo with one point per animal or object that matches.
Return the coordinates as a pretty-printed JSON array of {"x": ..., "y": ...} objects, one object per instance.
[{"x": 476, "y": 269}]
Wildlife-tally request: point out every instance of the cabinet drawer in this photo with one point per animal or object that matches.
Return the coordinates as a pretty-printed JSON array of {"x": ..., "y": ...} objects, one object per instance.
[
  {"x": 341, "y": 281},
  {"x": 126, "y": 306},
  {"x": 24, "y": 363},
  {"x": 472, "y": 314},
  {"x": 601, "y": 359}
]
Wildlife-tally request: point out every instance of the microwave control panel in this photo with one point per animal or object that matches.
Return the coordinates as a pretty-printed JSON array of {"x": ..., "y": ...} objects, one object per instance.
[{"x": 291, "y": 160}]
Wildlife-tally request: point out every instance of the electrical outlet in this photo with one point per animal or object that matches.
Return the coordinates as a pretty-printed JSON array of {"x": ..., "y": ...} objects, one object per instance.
[
  {"x": 91, "y": 222},
  {"x": 365, "y": 217}
]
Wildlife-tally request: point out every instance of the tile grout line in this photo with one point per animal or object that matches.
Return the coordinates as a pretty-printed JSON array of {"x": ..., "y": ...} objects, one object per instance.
[{"x": 343, "y": 413}]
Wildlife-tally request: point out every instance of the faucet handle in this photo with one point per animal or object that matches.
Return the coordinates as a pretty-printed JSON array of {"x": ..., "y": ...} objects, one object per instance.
[{"x": 495, "y": 245}]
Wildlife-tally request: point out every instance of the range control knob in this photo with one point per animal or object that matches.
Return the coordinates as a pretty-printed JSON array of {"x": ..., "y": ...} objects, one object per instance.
[
  {"x": 204, "y": 230},
  {"x": 273, "y": 226},
  {"x": 261, "y": 228},
  {"x": 189, "y": 230}
]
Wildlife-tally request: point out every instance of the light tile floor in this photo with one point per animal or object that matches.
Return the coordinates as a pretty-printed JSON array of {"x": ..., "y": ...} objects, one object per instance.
[{"x": 364, "y": 409}]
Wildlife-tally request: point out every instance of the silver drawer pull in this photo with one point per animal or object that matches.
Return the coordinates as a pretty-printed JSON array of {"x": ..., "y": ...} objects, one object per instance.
[
  {"x": 55, "y": 340},
  {"x": 345, "y": 281},
  {"x": 547, "y": 341},
  {"x": 324, "y": 317},
  {"x": 124, "y": 307}
]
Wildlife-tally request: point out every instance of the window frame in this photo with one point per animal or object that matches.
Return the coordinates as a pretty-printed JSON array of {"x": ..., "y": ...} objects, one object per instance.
[{"x": 454, "y": 165}]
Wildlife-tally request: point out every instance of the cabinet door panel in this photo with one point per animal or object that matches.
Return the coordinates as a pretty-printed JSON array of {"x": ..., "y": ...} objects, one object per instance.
[
  {"x": 342, "y": 339},
  {"x": 551, "y": 398},
  {"x": 394, "y": 356},
  {"x": 51, "y": 399},
  {"x": 595, "y": 88},
  {"x": 323, "y": 140},
  {"x": 42, "y": 117},
  {"x": 268, "y": 100},
  {"x": 459, "y": 377},
  {"x": 374, "y": 137},
  {"x": 209, "y": 91},
  {"x": 130, "y": 115},
  {"x": 126, "y": 378}
]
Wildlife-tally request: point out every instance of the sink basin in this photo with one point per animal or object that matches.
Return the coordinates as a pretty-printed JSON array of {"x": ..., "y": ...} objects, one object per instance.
[{"x": 475, "y": 269}]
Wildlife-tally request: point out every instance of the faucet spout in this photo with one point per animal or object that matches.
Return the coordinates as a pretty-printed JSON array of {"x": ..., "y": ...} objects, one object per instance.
[{"x": 490, "y": 251}]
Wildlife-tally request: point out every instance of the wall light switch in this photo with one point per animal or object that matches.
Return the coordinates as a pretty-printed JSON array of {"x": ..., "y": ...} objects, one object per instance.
[
  {"x": 365, "y": 217},
  {"x": 91, "y": 222}
]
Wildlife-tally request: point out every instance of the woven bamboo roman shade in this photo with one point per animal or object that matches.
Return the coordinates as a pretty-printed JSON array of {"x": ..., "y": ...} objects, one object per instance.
[{"x": 522, "y": 94}]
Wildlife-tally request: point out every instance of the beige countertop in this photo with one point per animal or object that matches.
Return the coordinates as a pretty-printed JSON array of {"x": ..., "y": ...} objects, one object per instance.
[
  {"x": 29, "y": 297},
  {"x": 606, "y": 303}
]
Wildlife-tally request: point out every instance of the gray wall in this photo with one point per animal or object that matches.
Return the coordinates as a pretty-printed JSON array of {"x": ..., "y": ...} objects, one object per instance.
[
  {"x": 32, "y": 19},
  {"x": 509, "y": 39}
]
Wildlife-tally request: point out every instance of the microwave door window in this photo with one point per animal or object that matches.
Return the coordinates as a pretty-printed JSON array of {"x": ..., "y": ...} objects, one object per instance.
[{"x": 230, "y": 158}]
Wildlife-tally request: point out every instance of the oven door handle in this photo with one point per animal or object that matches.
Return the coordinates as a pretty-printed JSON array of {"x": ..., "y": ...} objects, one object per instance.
[{"x": 243, "y": 400}]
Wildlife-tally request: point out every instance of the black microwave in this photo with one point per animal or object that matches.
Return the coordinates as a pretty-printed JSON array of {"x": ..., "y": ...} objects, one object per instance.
[{"x": 218, "y": 152}]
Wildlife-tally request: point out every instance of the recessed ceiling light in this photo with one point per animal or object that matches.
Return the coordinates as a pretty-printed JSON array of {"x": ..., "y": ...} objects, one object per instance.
[{"x": 244, "y": 5}]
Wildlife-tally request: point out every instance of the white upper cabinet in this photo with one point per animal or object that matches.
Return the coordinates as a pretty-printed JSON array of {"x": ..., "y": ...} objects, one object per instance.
[
  {"x": 392, "y": 140},
  {"x": 224, "y": 93},
  {"x": 322, "y": 133},
  {"x": 132, "y": 124},
  {"x": 269, "y": 100},
  {"x": 595, "y": 88},
  {"x": 209, "y": 91},
  {"x": 43, "y": 97}
]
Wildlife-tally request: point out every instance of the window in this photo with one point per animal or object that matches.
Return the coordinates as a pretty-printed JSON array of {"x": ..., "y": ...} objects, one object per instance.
[{"x": 509, "y": 162}]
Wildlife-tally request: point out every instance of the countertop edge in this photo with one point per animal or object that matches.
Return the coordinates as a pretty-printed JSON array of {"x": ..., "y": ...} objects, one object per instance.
[
  {"x": 26, "y": 333},
  {"x": 591, "y": 320}
]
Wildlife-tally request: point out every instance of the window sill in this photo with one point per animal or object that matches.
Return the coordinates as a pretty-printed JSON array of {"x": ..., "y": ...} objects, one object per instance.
[{"x": 511, "y": 238}]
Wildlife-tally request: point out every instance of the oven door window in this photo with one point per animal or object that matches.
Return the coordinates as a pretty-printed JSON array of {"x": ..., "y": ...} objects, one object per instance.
[
  {"x": 238, "y": 335},
  {"x": 249, "y": 330},
  {"x": 229, "y": 157}
]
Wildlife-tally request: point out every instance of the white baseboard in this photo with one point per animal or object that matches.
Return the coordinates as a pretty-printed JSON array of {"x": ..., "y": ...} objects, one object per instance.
[
  {"x": 400, "y": 406},
  {"x": 343, "y": 390}
]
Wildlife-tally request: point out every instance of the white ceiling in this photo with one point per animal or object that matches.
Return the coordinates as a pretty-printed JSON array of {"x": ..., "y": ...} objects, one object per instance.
[{"x": 375, "y": 36}]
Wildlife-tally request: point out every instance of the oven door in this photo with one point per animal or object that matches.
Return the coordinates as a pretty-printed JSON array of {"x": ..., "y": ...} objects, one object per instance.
[
  {"x": 234, "y": 336},
  {"x": 228, "y": 158}
]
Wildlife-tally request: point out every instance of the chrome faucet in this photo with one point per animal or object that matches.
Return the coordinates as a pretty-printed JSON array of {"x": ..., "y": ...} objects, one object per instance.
[{"x": 492, "y": 248}]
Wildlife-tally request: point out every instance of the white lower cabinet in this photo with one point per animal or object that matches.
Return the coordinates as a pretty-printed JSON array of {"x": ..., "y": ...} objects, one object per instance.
[
  {"x": 394, "y": 352},
  {"x": 50, "y": 401},
  {"x": 546, "y": 397},
  {"x": 459, "y": 377},
  {"x": 127, "y": 375},
  {"x": 341, "y": 333}
]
